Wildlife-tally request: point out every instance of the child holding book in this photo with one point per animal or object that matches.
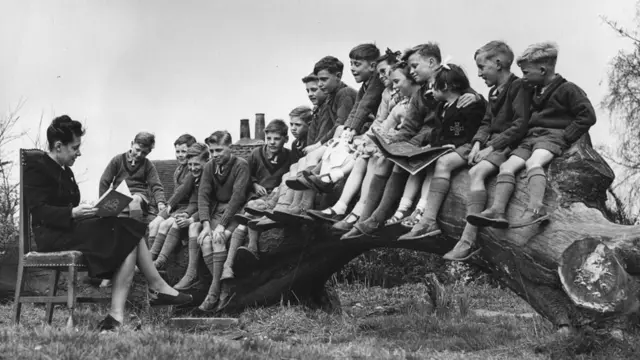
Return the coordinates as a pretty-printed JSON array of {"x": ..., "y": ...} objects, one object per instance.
[
  {"x": 457, "y": 126},
  {"x": 501, "y": 130},
  {"x": 561, "y": 113},
  {"x": 139, "y": 173},
  {"x": 184, "y": 218},
  {"x": 223, "y": 190}
]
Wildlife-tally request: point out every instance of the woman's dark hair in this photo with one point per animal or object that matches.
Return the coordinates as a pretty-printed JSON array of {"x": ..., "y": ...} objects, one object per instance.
[
  {"x": 452, "y": 78},
  {"x": 63, "y": 129},
  {"x": 404, "y": 68},
  {"x": 391, "y": 57}
]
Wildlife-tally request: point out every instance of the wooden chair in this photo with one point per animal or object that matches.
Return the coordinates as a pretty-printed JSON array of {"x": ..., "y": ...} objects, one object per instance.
[{"x": 58, "y": 262}]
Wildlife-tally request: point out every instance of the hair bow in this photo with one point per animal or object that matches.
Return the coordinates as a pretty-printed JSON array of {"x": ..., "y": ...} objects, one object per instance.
[
  {"x": 445, "y": 63},
  {"x": 394, "y": 54}
]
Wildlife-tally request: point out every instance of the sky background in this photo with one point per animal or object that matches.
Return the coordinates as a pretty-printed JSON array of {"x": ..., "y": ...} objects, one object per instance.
[{"x": 169, "y": 67}]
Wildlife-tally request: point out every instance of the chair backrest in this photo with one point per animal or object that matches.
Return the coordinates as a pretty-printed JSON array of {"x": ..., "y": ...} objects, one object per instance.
[{"x": 25, "y": 215}]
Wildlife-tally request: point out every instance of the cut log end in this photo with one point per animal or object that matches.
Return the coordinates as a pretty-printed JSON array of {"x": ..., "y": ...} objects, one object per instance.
[{"x": 594, "y": 279}]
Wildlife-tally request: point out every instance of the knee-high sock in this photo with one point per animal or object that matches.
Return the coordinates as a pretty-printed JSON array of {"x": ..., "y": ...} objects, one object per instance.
[
  {"x": 297, "y": 197},
  {"x": 537, "y": 187},
  {"x": 373, "y": 197},
  {"x": 307, "y": 199},
  {"x": 157, "y": 245},
  {"x": 392, "y": 193},
  {"x": 237, "y": 239},
  {"x": 476, "y": 202},
  {"x": 254, "y": 236},
  {"x": 437, "y": 193},
  {"x": 194, "y": 255},
  {"x": 285, "y": 198},
  {"x": 505, "y": 185},
  {"x": 170, "y": 243},
  {"x": 216, "y": 260}
]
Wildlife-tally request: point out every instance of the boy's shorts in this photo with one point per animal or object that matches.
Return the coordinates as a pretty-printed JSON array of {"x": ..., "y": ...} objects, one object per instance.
[
  {"x": 216, "y": 215},
  {"x": 463, "y": 150},
  {"x": 143, "y": 196},
  {"x": 541, "y": 138}
]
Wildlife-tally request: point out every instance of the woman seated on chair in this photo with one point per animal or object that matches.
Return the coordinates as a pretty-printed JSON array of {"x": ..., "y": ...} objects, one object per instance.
[{"x": 112, "y": 246}]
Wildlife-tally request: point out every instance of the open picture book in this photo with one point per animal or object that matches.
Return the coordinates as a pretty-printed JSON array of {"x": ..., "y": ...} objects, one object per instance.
[
  {"x": 112, "y": 202},
  {"x": 409, "y": 157}
]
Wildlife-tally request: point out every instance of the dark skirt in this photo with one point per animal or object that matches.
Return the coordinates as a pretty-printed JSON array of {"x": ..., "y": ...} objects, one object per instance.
[{"x": 105, "y": 242}]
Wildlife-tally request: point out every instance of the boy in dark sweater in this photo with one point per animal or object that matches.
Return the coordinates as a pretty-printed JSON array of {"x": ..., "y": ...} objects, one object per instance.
[
  {"x": 560, "y": 114},
  {"x": 223, "y": 190},
  {"x": 501, "y": 130},
  {"x": 139, "y": 173},
  {"x": 267, "y": 164}
]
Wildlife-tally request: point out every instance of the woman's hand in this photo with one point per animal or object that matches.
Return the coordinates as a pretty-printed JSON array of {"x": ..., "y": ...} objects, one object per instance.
[{"x": 83, "y": 211}]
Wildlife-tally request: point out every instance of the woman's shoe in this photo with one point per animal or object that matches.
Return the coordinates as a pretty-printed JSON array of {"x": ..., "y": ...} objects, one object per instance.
[
  {"x": 160, "y": 299},
  {"x": 109, "y": 324}
]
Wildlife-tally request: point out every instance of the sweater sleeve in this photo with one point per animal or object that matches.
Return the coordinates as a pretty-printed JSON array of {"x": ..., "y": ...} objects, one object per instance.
[
  {"x": 205, "y": 192},
  {"x": 108, "y": 174},
  {"x": 239, "y": 196},
  {"x": 345, "y": 101},
  {"x": 484, "y": 131},
  {"x": 413, "y": 120},
  {"x": 154, "y": 183},
  {"x": 518, "y": 128},
  {"x": 366, "y": 107},
  {"x": 192, "y": 208},
  {"x": 582, "y": 111},
  {"x": 253, "y": 166},
  {"x": 38, "y": 189},
  {"x": 182, "y": 191},
  {"x": 472, "y": 117}
]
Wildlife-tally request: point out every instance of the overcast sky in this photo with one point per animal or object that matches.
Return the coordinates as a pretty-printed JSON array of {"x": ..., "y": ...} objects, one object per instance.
[{"x": 171, "y": 67}]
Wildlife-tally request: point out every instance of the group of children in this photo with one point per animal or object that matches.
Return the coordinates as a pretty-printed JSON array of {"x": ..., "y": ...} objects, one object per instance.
[{"x": 222, "y": 202}]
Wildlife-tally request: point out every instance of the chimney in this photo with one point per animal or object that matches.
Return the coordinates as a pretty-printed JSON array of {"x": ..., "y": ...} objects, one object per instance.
[
  {"x": 245, "y": 131},
  {"x": 259, "y": 127}
]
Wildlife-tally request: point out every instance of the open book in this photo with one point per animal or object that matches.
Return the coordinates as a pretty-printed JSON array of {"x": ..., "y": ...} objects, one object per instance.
[
  {"x": 409, "y": 157},
  {"x": 112, "y": 202}
]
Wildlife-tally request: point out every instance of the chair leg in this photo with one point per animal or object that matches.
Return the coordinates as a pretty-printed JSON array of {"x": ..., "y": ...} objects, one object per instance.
[
  {"x": 53, "y": 291},
  {"x": 71, "y": 293},
  {"x": 17, "y": 305}
]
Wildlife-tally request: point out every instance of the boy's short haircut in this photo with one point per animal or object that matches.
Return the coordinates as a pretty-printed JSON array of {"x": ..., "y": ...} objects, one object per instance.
[
  {"x": 309, "y": 78},
  {"x": 302, "y": 112},
  {"x": 185, "y": 139},
  {"x": 391, "y": 57},
  {"x": 145, "y": 139},
  {"x": 367, "y": 52},
  {"x": 329, "y": 63},
  {"x": 497, "y": 49},
  {"x": 198, "y": 149},
  {"x": 404, "y": 68},
  {"x": 544, "y": 53},
  {"x": 220, "y": 137},
  {"x": 427, "y": 50},
  {"x": 277, "y": 126},
  {"x": 452, "y": 79}
]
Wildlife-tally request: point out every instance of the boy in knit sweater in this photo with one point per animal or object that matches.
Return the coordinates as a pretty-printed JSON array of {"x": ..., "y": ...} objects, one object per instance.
[
  {"x": 139, "y": 173},
  {"x": 560, "y": 114},
  {"x": 267, "y": 164},
  {"x": 179, "y": 200},
  {"x": 223, "y": 191},
  {"x": 502, "y": 128}
]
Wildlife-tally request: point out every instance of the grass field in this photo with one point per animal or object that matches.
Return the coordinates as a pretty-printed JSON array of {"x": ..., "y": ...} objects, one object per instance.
[{"x": 468, "y": 322}]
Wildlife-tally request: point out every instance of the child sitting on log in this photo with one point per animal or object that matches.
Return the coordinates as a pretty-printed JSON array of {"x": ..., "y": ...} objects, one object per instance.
[
  {"x": 560, "y": 114},
  {"x": 424, "y": 61},
  {"x": 139, "y": 173},
  {"x": 267, "y": 164},
  {"x": 337, "y": 160},
  {"x": 223, "y": 192},
  {"x": 502, "y": 129},
  {"x": 182, "y": 181},
  {"x": 362, "y": 178},
  {"x": 456, "y": 128}
]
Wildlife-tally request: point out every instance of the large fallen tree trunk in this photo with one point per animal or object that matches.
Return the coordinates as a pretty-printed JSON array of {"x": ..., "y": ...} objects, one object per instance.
[{"x": 596, "y": 283}]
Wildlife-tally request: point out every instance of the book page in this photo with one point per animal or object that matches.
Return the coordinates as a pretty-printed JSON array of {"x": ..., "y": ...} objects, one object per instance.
[{"x": 123, "y": 188}]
